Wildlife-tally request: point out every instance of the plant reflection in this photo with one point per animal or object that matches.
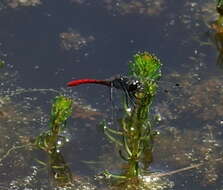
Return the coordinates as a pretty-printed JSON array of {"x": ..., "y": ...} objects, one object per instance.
[
  {"x": 59, "y": 172},
  {"x": 217, "y": 26}
]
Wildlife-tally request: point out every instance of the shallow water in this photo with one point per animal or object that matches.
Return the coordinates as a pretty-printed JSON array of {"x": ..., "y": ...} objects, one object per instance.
[{"x": 47, "y": 43}]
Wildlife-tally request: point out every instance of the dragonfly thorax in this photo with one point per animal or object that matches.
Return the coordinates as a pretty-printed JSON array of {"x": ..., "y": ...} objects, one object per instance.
[{"x": 127, "y": 84}]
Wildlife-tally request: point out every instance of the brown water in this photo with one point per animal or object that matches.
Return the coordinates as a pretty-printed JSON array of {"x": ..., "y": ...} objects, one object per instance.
[{"x": 47, "y": 43}]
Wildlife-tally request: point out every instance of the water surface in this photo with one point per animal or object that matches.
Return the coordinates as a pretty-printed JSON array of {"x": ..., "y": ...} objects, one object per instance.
[{"x": 47, "y": 43}]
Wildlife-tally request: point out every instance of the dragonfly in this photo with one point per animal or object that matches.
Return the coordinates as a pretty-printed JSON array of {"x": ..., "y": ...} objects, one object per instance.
[{"x": 128, "y": 85}]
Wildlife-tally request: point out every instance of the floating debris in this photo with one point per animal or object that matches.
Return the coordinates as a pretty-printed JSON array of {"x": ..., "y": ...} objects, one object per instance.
[
  {"x": 23, "y": 3},
  {"x": 124, "y": 7},
  {"x": 74, "y": 40}
]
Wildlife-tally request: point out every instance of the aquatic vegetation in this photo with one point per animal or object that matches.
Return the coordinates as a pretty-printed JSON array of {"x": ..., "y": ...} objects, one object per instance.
[
  {"x": 219, "y": 7},
  {"x": 190, "y": 129},
  {"x": 144, "y": 183},
  {"x": 203, "y": 99},
  {"x": 218, "y": 41},
  {"x": 135, "y": 136},
  {"x": 197, "y": 149},
  {"x": 51, "y": 140},
  {"x": 83, "y": 111},
  {"x": 60, "y": 173},
  {"x": 73, "y": 40},
  {"x": 216, "y": 26},
  {"x": 190, "y": 150},
  {"x": 17, "y": 119},
  {"x": 2, "y": 63},
  {"x": 25, "y": 3},
  {"x": 19, "y": 3},
  {"x": 124, "y": 7}
]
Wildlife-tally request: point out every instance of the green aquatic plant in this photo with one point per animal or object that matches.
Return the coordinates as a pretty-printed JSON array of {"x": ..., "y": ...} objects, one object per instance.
[
  {"x": 219, "y": 7},
  {"x": 2, "y": 63},
  {"x": 135, "y": 136},
  {"x": 60, "y": 112},
  {"x": 59, "y": 171},
  {"x": 51, "y": 140},
  {"x": 217, "y": 36}
]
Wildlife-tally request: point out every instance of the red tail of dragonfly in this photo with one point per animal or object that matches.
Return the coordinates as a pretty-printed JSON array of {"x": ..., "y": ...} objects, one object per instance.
[
  {"x": 88, "y": 81},
  {"x": 127, "y": 84}
]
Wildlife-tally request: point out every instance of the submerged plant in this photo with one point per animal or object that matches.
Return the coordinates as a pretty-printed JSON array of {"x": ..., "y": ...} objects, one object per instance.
[
  {"x": 61, "y": 110},
  {"x": 51, "y": 140},
  {"x": 219, "y": 7},
  {"x": 217, "y": 26},
  {"x": 135, "y": 135},
  {"x": 2, "y": 63}
]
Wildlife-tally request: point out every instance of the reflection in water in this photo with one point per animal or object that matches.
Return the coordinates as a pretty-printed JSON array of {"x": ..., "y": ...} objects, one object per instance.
[
  {"x": 61, "y": 177},
  {"x": 59, "y": 171}
]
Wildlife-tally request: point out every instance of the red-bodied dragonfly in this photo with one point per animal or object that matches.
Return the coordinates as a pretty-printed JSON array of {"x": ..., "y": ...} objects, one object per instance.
[{"x": 128, "y": 85}]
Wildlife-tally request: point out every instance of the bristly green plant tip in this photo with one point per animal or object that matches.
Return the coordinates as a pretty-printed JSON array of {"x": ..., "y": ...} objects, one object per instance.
[
  {"x": 145, "y": 66},
  {"x": 147, "y": 69},
  {"x": 61, "y": 110}
]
